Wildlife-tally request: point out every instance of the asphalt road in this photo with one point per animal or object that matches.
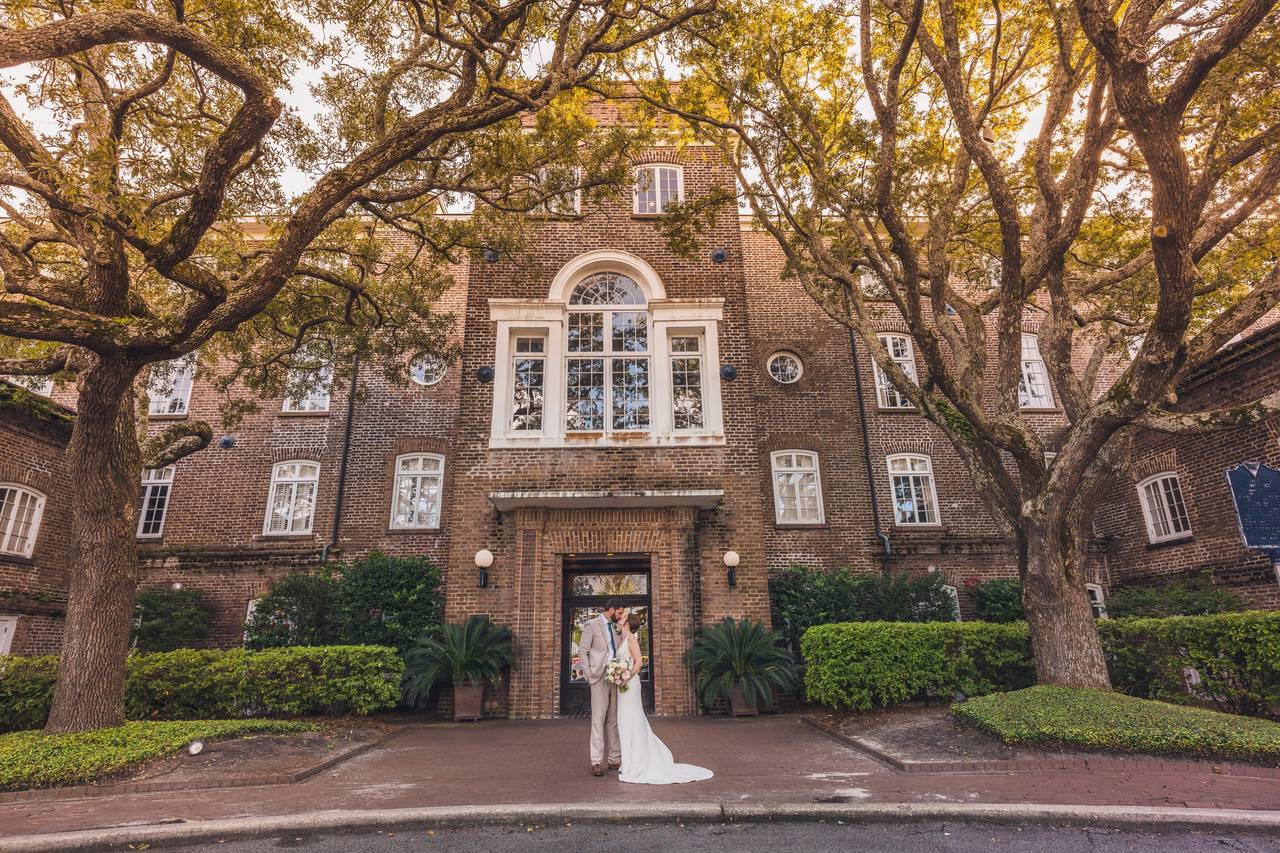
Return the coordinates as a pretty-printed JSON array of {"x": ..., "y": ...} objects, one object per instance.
[{"x": 772, "y": 838}]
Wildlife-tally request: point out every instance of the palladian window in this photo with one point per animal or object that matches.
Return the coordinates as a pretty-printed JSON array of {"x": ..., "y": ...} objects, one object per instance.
[{"x": 607, "y": 356}]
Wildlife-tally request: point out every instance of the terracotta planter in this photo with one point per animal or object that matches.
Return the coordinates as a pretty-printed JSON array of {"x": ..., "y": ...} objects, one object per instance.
[
  {"x": 468, "y": 702},
  {"x": 738, "y": 704}
]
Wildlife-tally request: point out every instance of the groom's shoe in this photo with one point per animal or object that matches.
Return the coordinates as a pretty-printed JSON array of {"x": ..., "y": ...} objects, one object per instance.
[
  {"x": 597, "y": 770},
  {"x": 615, "y": 765}
]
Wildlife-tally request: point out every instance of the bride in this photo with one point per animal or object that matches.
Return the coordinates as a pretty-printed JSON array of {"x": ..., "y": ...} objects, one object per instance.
[{"x": 645, "y": 758}]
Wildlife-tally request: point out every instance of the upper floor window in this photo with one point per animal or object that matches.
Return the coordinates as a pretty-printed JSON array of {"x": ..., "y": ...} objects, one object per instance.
[
  {"x": 915, "y": 500},
  {"x": 657, "y": 188},
  {"x": 557, "y": 203},
  {"x": 1163, "y": 508},
  {"x": 308, "y": 389},
  {"x": 155, "y": 501},
  {"x": 797, "y": 490},
  {"x": 427, "y": 370},
  {"x": 418, "y": 489},
  {"x": 607, "y": 356},
  {"x": 20, "y": 511},
  {"x": 686, "y": 381},
  {"x": 899, "y": 348},
  {"x": 528, "y": 382},
  {"x": 169, "y": 387},
  {"x": 1034, "y": 391},
  {"x": 291, "y": 505},
  {"x": 785, "y": 368}
]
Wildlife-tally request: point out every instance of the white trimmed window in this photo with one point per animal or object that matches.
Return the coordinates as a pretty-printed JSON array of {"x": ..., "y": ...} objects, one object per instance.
[
  {"x": 657, "y": 188},
  {"x": 156, "y": 483},
  {"x": 797, "y": 489},
  {"x": 954, "y": 595},
  {"x": 1034, "y": 391},
  {"x": 528, "y": 383},
  {"x": 915, "y": 500},
  {"x": 607, "y": 356},
  {"x": 687, "y": 365},
  {"x": 785, "y": 368},
  {"x": 310, "y": 389},
  {"x": 427, "y": 370},
  {"x": 291, "y": 504},
  {"x": 419, "y": 484},
  {"x": 899, "y": 348},
  {"x": 1163, "y": 508},
  {"x": 559, "y": 204},
  {"x": 1097, "y": 601},
  {"x": 169, "y": 387},
  {"x": 20, "y": 512}
]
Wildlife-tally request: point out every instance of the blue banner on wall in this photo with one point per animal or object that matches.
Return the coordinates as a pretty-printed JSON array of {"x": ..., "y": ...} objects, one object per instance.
[{"x": 1256, "y": 490}]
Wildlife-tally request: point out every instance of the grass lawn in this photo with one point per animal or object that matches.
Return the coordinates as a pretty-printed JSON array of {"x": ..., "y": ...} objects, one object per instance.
[
  {"x": 32, "y": 759},
  {"x": 1112, "y": 722}
]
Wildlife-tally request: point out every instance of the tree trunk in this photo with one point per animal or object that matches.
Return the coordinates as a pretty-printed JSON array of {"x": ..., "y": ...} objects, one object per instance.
[
  {"x": 1064, "y": 637},
  {"x": 103, "y": 461}
]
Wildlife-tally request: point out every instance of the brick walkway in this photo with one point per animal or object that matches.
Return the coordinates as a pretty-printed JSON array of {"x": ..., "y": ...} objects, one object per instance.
[{"x": 764, "y": 760}]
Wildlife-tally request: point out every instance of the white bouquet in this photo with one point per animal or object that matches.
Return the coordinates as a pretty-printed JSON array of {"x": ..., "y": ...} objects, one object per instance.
[{"x": 617, "y": 672}]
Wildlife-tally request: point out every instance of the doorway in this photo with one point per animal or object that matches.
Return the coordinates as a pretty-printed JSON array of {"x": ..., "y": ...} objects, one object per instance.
[{"x": 590, "y": 580}]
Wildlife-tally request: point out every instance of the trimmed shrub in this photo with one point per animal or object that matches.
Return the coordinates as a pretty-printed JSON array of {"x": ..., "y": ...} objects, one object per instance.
[
  {"x": 389, "y": 601},
  {"x": 171, "y": 619},
  {"x": 211, "y": 683},
  {"x": 1194, "y": 595},
  {"x": 1098, "y": 720},
  {"x": 1230, "y": 660},
  {"x": 801, "y": 597},
  {"x": 860, "y": 665},
  {"x": 301, "y": 610},
  {"x": 998, "y": 600}
]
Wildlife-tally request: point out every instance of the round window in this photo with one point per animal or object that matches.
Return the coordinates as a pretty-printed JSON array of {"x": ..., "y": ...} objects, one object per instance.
[
  {"x": 785, "y": 367},
  {"x": 427, "y": 369}
]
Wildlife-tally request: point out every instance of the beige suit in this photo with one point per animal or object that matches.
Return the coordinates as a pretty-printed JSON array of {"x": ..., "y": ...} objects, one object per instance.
[{"x": 596, "y": 652}]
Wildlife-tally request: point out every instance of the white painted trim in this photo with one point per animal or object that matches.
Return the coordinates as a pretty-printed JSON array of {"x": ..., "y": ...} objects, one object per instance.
[
  {"x": 635, "y": 186},
  {"x": 1100, "y": 600},
  {"x": 8, "y": 628},
  {"x": 933, "y": 488},
  {"x": 817, "y": 482},
  {"x": 271, "y": 490},
  {"x": 1152, "y": 536},
  {"x": 37, "y": 516},
  {"x": 395, "y": 494},
  {"x": 606, "y": 260},
  {"x": 700, "y": 498}
]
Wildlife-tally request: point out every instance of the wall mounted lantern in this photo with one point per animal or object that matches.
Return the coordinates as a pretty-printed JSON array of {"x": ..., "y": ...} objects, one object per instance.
[
  {"x": 731, "y": 560},
  {"x": 484, "y": 559}
]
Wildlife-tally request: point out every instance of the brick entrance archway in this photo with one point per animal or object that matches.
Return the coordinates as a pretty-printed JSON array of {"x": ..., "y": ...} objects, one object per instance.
[{"x": 544, "y": 537}]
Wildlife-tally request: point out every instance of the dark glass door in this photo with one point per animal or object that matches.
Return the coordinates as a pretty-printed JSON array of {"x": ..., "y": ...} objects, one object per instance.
[{"x": 589, "y": 582}]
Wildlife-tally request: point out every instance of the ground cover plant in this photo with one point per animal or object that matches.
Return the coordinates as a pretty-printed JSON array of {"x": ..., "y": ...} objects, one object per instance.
[
  {"x": 1099, "y": 720},
  {"x": 32, "y": 759}
]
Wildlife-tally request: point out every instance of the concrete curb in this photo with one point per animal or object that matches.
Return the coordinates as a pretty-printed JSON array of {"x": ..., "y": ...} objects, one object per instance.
[{"x": 1139, "y": 817}]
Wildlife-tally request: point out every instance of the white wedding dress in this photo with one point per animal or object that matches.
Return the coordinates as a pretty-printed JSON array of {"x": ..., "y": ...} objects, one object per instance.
[{"x": 645, "y": 758}]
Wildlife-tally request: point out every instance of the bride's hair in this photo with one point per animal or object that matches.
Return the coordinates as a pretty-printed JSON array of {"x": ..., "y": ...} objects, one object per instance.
[{"x": 635, "y": 622}]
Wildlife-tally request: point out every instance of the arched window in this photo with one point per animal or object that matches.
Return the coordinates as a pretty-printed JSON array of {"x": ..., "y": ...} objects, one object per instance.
[
  {"x": 1163, "y": 508},
  {"x": 607, "y": 356},
  {"x": 915, "y": 500},
  {"x": 20, "y": 511},
  {"x": 797, "y": 489},
  {"x": 415, "y": 504},
  {"x": 899, "y": 347},
  {"x": 291, "y": 505}
]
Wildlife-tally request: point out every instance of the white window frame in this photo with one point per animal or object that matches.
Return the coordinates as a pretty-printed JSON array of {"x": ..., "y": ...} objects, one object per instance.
[
  {"x": 33, "y": 520},
  {"x": 548, "y": 207},
  {"x": 777, "y": 473},
  {"x": 1033, "y": 370},
  {"x": 784, "y": 353},
  {"x": 154, "y": 480},
  {"x": 432, "y": 523},
  {"x": 531, "y": 347},
  {"x": 6, "y": 636},
  {"x": 697, "y": 333},
  {"x": 659, "y": 206},
  {"x": 250, "y": 607},
  {"x": 1097, "y": 600},
  {"x": 170, "y": 396},
  {"x": 548, "y": 319},
  {"x": 418, "y": 370},
  {"x": 954, "y": 594},
  {"x": 317, "y": 399},
  {"x": 278, "y": 481},
  {"x": 932, "y": 494},
  {"x": 1167, "y": 516},
  {"x": 886, "y": 393},
  {"x": 608, "y": 356}
]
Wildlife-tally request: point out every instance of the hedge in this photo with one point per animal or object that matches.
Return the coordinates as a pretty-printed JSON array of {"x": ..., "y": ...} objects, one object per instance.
[
  {"x": 1236, "y": 656},
  {"x": 1098, "y": 720},
  {"x": 860, "y": 665},
  {"x": 211, "y": 683}
]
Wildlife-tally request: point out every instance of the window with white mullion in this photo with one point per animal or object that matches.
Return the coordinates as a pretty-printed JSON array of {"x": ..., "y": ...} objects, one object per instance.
[
  {"x": 899, "y": 349},
  {"x": 156, "y": 484},
  {"x": 1164, "y": 508},
  {"x": 20, "y": 512},
  {"x": 915, "y": 499},
  {"x": 686, "y": 357},
  {"x": 418, "y": 489},
  {"x": 607, "y": 357},
  {"x": 657, "y": 188},
  {"x": 292, "y": 501},
  {"x": 169, "y": 387},
  {"x": 1034, "y": 390},
  {"x": 309, "y": 389},
  {"x": 528, "y": 383},
  {"x": 797, "y": 489}
]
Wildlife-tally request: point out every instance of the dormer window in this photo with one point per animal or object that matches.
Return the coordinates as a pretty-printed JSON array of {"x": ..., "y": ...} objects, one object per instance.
[{"x": 657, "y": 188}]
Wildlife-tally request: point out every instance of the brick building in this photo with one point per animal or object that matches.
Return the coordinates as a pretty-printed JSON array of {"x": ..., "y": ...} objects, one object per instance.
[{"x": 621, "y": 418}]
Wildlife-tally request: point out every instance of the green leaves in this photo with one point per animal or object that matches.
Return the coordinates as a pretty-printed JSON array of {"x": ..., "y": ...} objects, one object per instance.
[
  {"x": 474, "y": 652},
  {"x": 744, "y": 653}
]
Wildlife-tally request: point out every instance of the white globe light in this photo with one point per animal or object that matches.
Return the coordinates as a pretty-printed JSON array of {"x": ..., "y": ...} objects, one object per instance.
[
  {"x": 731, "y": 559},
  {"x": 484, "y": 558}
]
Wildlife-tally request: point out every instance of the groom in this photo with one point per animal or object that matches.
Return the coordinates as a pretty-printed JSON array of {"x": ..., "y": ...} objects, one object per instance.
[{"x": 599, "y": 645}]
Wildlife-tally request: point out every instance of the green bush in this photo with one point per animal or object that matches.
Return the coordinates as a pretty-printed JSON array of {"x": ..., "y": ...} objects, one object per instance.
[
  {"x": 998, "y": 600},
  {"x": 802, "y": 597},
  {"x": 389, "y": 601},
  {"x": 1098, "y": 720},
  {"x": 301, "y": 610},
  {"x": 860, "y": 665},
  {"x": 32, "y": 759},
  {"x": 211, "y": 683},
  {"x": 171, "y": 619},
  {"x": 1196, "y": 595},
  {"x": 1235, "y": 656}
]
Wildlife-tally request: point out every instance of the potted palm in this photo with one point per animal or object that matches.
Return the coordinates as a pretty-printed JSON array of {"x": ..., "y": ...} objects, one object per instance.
[
  {"x": 741, "y": 662},
  {"x": 468, "y": 656}
]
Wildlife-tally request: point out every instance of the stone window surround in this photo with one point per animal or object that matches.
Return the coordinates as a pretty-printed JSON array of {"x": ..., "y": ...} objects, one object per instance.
[{"x": 549, "y": 318}]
